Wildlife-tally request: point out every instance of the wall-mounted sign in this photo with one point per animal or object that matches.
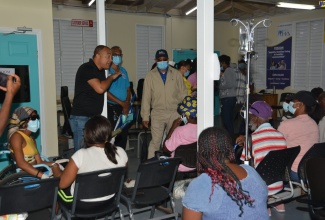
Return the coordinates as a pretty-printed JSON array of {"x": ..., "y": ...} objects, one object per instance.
[
  {"x": 7, "y": 71},
  {"x": 278, "y": 73},
  {"x": 82, "y": 23}
]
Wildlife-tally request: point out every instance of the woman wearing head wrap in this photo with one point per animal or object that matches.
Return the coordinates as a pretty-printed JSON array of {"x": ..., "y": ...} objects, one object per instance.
[
  {"x": 183, "y": 135},
  {"x": 224, "y": 190},
  {"x": 22, "y": 124}
]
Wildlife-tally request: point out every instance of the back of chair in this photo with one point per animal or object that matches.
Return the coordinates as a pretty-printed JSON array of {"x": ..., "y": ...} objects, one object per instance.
[
  {"x": 66, "y": 107},
  {"x": 284, "y": 96},
  {"x": 314, "y": 168},
  {"x": 187, "y": 153},
  {"x": 157, "y": 173},
  {"x": 317, "y": 150},
  {"x": 276, "y": 165},
  {"x": 64, "y": 91},
  {"x": 99, "y": 183},
  {"x": 30, "y": 196}
]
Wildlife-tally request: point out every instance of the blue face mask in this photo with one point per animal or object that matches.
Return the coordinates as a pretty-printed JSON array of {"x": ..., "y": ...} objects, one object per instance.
[
  {"x": 285, "y": 107},
  {"x": 221, "y": 68},
  {"x": 187, "y": 73},
  {"x": 291, "y": 108},
  {"x": 117, "y": 60},
  {"x": 184, "y": 119},
  {"x": 162, "y": 65},
  {"x": 33, "y": 125}
]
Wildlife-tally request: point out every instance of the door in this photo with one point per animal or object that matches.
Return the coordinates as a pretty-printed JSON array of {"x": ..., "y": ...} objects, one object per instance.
[{"x": 21, "y": 49}]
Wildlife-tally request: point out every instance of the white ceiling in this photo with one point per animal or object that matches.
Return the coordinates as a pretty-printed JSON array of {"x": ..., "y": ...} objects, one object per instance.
[{"x": 224, "y": 9}]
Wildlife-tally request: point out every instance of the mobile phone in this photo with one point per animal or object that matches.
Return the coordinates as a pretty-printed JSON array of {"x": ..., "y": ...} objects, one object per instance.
[{"x": 3, "y": 79}]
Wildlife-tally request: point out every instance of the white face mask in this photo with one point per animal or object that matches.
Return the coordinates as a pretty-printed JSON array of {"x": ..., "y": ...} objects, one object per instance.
[
  {"x": 291, "y": 108},
  {"x": 33, "y": 125},
  {"x": 285, "y": 107}
]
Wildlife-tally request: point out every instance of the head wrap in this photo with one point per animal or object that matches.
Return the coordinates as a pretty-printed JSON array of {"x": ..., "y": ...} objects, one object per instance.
[
  {"x": 188, "y": 107},
  {"x": 18, "y": 118}
]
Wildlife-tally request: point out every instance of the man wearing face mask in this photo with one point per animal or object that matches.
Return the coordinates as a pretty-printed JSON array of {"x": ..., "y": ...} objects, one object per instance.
[
  {"x": 163, "y": 89},
  {"x": 118, "y": 95},
  {"x": 265, "y": 138},
  {"x": 183, "y": 135},
  {"x": 23, "y": 123}
]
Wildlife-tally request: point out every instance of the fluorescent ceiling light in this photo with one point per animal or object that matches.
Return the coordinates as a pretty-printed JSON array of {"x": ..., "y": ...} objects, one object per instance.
[
  {"x": 91, "y": 2},
  {"x": 190, "y": 11},
  {"x": 295, "y": 6}
]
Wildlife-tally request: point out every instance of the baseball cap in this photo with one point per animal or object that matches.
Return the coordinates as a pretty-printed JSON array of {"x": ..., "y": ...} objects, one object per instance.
[
  {"x": 304, "y": 96},
  {"x": 161, "y": 53},
  {"x": 261, "y": 109}
]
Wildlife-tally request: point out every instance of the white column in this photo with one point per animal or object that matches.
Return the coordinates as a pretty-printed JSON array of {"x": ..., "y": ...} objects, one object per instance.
[
  {"x": 205, "y": 63},
  {"x": 101, "y": 37}
]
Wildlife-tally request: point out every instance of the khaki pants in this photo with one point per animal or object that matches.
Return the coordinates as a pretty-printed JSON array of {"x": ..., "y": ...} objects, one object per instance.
[{"x": 160, "y": 120}]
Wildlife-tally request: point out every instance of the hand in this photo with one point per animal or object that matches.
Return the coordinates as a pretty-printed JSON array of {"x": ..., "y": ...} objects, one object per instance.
[
  {"x": 145, "y": 124},
  {"x": 12, "y": 86},
  {"x": 126, "y": 107},
  {"x": 115, "y": 75},
  {"x": 240, "y": 140},
  {"x": 177, "y": 122}
]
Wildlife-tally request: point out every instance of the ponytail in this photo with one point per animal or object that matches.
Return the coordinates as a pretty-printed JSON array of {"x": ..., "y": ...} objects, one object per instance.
[{"x": 110, "y": 151}]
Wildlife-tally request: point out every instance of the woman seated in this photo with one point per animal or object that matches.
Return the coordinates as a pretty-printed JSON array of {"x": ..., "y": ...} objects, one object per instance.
[
  {"x": 100, "y": 154},
  {"x": 224, "y": 190},
  {"x": 182, "y": 135},
  {"x": 22, "y": 124}
]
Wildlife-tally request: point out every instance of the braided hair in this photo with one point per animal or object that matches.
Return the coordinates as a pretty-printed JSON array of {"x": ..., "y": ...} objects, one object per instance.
[
  {"x": 214, "y": 148},
  {"x": 98, "y": 130}
]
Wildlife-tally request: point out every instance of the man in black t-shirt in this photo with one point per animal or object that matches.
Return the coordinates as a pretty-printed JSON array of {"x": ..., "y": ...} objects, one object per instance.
[{"x": 90, "y": 86}]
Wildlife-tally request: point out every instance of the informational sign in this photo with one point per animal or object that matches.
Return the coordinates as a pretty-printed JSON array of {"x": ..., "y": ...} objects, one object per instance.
[
  {"x": 278, "y": 74},
  {"x": 7, "y": 71},
  {"x": 82, "y": 23}
]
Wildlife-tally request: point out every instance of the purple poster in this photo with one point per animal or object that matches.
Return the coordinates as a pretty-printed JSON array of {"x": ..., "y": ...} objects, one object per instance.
[{"x": 278, "y": 73}]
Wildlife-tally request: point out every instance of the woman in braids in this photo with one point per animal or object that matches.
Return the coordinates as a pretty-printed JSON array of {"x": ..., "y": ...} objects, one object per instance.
[
  {"x": 100, "y": 154},
  {"x": 224, "y": 190}
]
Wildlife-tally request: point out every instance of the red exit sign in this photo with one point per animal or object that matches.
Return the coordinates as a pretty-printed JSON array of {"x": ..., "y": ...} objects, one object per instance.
[{"x": 82, "y": 23}]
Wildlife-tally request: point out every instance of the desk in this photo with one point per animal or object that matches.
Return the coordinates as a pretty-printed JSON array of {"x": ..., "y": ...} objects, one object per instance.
[{"x": 272, "y": 100}]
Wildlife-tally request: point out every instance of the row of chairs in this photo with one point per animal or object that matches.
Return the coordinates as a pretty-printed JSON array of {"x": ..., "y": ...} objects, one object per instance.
[
  {"x": 276, "y": 166},
  {"x": 153, "y": 186}
]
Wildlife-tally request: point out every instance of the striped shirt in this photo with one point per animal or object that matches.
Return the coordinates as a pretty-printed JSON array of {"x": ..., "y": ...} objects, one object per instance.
[{"x": 264, "y": 139}]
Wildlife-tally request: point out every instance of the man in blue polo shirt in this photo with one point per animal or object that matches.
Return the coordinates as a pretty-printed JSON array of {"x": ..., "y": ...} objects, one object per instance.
[{"x": 118, "y": 95}]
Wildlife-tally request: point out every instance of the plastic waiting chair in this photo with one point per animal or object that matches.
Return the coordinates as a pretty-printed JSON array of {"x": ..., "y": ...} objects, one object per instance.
[
  {"x": 28, "y": 197},
  {"x": 91, "y": 185},
  {"x": 153, "y": 186},
  {"x": 314, "y": 168},
  {"x": 275, "y": 167},
  {"x": 317, "y": 150}
]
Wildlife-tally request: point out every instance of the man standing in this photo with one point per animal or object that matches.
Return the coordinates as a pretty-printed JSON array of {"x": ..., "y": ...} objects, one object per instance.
[
  {"x": 227, "y": 93},
  {"x": 118, "y": 95},
  {"x": 163, "y": 89},
  {"x": 90, "y": 86}
]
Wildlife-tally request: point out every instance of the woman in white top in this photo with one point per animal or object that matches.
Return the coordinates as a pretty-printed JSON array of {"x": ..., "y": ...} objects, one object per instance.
[{"x": 100, "y": 154}]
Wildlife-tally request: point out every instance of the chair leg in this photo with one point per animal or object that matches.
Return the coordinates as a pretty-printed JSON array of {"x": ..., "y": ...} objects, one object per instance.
[
  {"x": 121, "y": 214},
  {"x": 152, "y": 212},
  {"x": 172, "y": 205}
]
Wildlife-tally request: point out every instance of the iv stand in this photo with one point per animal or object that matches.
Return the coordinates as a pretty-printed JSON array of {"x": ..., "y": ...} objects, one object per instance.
[{"x": 246, "y": 48}]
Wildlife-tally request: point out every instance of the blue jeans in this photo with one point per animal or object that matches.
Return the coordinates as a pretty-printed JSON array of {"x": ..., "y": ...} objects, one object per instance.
[
  {"x": 227, "y": 113},
  {"x": 294, "y": 176},
  {"x": 77, "y": 126}
]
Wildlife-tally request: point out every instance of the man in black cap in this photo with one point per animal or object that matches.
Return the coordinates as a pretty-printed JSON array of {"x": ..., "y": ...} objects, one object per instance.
[{"x": 163, "y": 89}]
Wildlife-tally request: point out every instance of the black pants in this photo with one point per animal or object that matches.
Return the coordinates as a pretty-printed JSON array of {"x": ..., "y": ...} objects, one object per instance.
[{"x": 113, "y": 113}]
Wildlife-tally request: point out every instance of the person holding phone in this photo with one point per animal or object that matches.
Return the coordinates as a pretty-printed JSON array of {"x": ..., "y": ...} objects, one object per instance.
[
  {"x": 183, "y": 135},
  {"x": 11, "y": 87}
]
